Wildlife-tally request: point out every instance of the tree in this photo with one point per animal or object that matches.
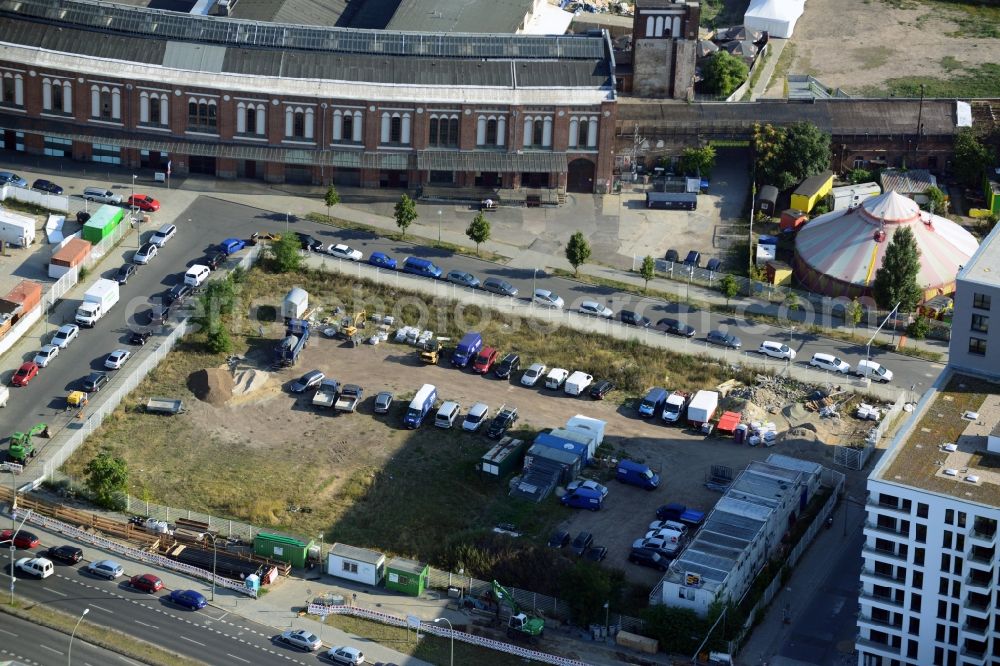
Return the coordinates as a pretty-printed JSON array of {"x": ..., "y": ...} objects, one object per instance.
[
  {"x": 699, "y": 161},
  {"x": 854, "y": 312},
  {"x": 577, "y": 251},
  {"x": 937, "y": 202},
  {"x": 405, "y": 213},
  {"x": 479, "y": 230},
  {"x": 679, "y": 630},
  {"x": 331, "y": 198},
  {"x": 859, "y": 175},
  {"x": 647, "y": 270},
  {"x": 919, "y": 328},
  {"x": 218, "y": 340},
  {"x": 286, "y": 253},
  {"x": 729, "y": 287},
  {"x": 723, "y": 73},
  {"x": 586, "y": 588},
  {"x": 784, "y": 157},
  {"x": 896, "y": 281},
  {"x": 972, "y": 158},
  {"x": 107, "y": 478}
]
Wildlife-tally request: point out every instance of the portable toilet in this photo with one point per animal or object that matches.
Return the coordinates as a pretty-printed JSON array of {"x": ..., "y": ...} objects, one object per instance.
[
  {"x": 252, "y": 583},
  {"x": 406, "y": 576},
  {"x": 295, "y": 304},
  {"x": 282, "y": 548}
]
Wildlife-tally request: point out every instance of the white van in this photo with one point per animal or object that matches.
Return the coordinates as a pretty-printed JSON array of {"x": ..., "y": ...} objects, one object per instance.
[
  {"x": 873, "y": 371},
  {"x": 196, "y": 275},
  {"x": 555, "y": 378},
  {"x": 476, "y": 416},
  {"x": 35, "y": 566},
  {"x": 829, "y": 362},
  {"x": 578, "y": 383},
  {"x": 446, "y": 414}
]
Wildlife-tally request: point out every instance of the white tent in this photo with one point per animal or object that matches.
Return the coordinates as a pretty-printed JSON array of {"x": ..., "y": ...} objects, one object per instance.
[{"x": 775, "y": 17}]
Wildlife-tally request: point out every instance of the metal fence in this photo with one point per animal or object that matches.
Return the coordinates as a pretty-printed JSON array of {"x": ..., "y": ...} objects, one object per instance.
[{"x": 856, "y": 457}]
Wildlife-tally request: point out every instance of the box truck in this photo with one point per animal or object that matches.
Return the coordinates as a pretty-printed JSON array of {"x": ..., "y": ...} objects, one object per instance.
[
  {"x": 97, "y": 300},
  {"x": 468, "y": 346},
  {"x": 420, "y": 406},
  {"x": 702, "y": 407}
]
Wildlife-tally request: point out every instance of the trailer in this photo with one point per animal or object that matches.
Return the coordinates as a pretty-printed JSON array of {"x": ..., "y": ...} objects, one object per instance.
[
  {"x": 164, "y": 406},
  {"x": 849, "y": 196},
  {"x": 349, "y": 398},
  {"x": 702, "y": 407}
]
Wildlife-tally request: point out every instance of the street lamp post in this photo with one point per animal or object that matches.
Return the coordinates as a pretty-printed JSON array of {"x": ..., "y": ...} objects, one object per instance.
[
  {"x": 69, "y": 653},
  {"x": 439, "y": 227},
  {"x": 286, "y": 222},
  {"x": 451, "y": 636},
  {"x": 214, "y": 555},
  {"x": 868, "y": 346},
  {"x": 532, "y": 296}
]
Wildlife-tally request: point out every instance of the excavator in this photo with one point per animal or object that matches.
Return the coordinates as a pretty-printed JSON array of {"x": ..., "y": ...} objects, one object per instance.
[
  {"x": 350, "y": 325},
  {"x": 21, "y": 445},
  {"x": 520, "y": 625}
]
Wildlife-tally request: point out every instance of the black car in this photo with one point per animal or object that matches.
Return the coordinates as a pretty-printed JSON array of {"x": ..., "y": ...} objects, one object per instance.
[
  {"x": 723, "y": 339},
  {"x": 82, "y": 216},
  {"x": 672, "y": 256},
  {"x": 693, "y": 259},
  {"x": 214, "y": 260},
  {"x": 159, "y": 313},
  {"x": 674, "y": 327},
  {"x": 67, "y": 554},
  {"x": 309, "y": 243},
  {"x": 581, "y": 543},
  {"x": 559, "y": 539},
  {"x": 596, "y": 553},
  {"x": 93, "y": 382},
  {"x": 601, "y": 389},
  {"x": 634, "y": 319},
  {"x": 501, "y": 423},
  {"x": 510, "y": 363},
  {"x": 139, "y": 337},
  {"x": 43, "y": 185},
  {"x": 124, "y": 273},
  {"x": 648, "y": 557},
  {"x": 178, "y": 293}
]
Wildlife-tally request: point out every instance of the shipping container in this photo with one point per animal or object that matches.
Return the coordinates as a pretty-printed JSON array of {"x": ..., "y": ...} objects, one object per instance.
[
  {"x": 102, "y": 223},
  {"x": 406, "y": 576},
  {"x": 73, "y": 253},
  {"x": 503, "y": 458},
  {"x": 282, "y": 548},
  {"x": 27, "y": 294}
]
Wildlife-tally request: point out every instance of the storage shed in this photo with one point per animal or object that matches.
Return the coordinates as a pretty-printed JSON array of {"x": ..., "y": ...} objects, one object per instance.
[
  {"x": 17, "y": 230},
  {"x": 282, "y": 548},
  {"x": 406, "y": 576},
  {"x": 910, "y": 183},
  {"x": 792, "y": 219},
  {"x": 26, "y": 294},
  {"x": 295, "y": 304},
  {"x": 767, "y": 199},
  {"x": 73, "y": 253},
  {"x": 501, "y": 460},
  {"x": 812, "y": 190},
  {"x": 358, "y": 564},
  {"x": 102, "y": 223}
]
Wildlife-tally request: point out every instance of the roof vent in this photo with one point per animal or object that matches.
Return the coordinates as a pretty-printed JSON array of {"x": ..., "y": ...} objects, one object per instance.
[
  {"x": 951, "y": 448},
  {"x": 951, "y": 472},
  {"x": 972, "y": 478}
]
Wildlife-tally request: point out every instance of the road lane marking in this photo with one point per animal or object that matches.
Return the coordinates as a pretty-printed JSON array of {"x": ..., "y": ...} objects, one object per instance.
[
  {"x": 9, "y": 633},
  {"x": 102, "y": 609},
  {"x": 151, "y": 626},
  {"x": 128, "y": 661},
  {"x": 245, "y": 661},
  {"x": 191, "y": 640},
  {"x": 49, "y": 589},
  {"x": 46, "y": 647}
]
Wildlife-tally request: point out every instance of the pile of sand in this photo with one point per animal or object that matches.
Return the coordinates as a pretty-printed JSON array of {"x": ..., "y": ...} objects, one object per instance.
[
  {"x": 213, "y": 385},
  {"x": 250, "y": 380}
]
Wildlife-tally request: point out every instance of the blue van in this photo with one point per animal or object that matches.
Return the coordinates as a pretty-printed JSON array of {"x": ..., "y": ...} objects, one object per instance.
[
  {"x": 421, "y": 267},
  {"x": 653, "y": 403},
  {"x": 420, "y": 406},
  {"x": 467, "y": 349},
  {"x": 637, "y": 474},
  {"x": 583, "y": 498},
  {"x": 382, "y": 260}
]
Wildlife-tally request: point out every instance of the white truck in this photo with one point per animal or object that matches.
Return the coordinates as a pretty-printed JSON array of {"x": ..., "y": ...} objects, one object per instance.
[
  {"x": 673, "y": 408},
  {"x": 326, "y": 394},
  {"x": 702, "y": 407},
  {"x": 97, "y": 300},
  {"x": 350, "y": 396},
  {"x": 578, "y": 383}
]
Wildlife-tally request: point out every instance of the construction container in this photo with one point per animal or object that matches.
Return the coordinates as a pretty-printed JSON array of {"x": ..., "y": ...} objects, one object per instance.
[
  {"x": 636, "y": 642},
  {"x": 17, "y": 230},
  {"x": 792, "y": 219},
  {"x": 27, "y": 294},
  {"x": 73, "y": 253},
  {"x": 812, "y": 190},
  {"x": 295, "y": 304},
  {"x": 503, "y": 458},
  {"x": 282, "y": 548},
  {"x": 102, "y": 223},
  {"x": 779, "y": 273},
  {"x": 406, "y": 576},
  {"x": 358, "y": 564}
]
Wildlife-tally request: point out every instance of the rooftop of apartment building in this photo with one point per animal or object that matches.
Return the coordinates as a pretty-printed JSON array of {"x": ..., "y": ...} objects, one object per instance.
[
  {"x": 944, "y": 449},
  {"x": 984, "y": 266}
]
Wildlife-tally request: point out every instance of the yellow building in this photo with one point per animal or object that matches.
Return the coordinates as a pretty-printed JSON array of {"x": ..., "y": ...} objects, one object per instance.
[{"x": 812, "y": 190}]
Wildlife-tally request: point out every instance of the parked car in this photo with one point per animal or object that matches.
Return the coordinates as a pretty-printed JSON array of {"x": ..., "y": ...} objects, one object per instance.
[
  {"x": 196, "y": 275},
  {"x": 39, "y": 567},
  {"x": 145, "y": 252},
  {"x": 681, "y": 514},
  {"x": 534, "y": 372},
  {"x": 498, "y": 286},
  {"x": 117, "y": 359},
  {"x": 101, "y": 195},
  {"x": 601, "y": 389},
  {"x": 559, "y": 539},
  {"x": 46, "y": 186},
  {"x": 188, "y": 599},
  {"x": 301, "y": 639},
  {"x": 24, "y": 374},
  {"x": 776, "y": 350},
  {"x": 596, "y": 553},
  {"x": 484, "y": 360},
  {"x": 124, "y": 273},
  {"x": 341, "y": 251},
  {"x": 22, "y": 540},
  {"x": 146, "y": 583},
  {"x": 595, "y": 309},
  {"x": 587, "y": 483},
  {"x": 693, "y": 259},
  {"x": 307, "y": 381},
  {"x": 45, "y": 355},
  {"x": 476, "y": 416},
  {"x": 714, "y": 265},
  {"x": 82, "y": 217},
  {"x": 6, "y": 177},
  {"x": 178, "y": 293},
  {"x": 633, "y": 319},
  {"x": 139, "y": 337},
  {"x": 66, "y": 334},
  {"x": 546, "y": 299},
  {"x": 672, "y": 255},
  {"x": 501, "y": 423},
  {"x": 382, "y": 260},
  {"x": 648, "y": 557},
  {"x": 581, "y": 543},
  {"x": 232, "y": 246},
  {"x": 143, "y": 202},
  {"x": 383, "y": 401},
  {"x": 163, "y": 234},
  {"x": 67, "y": 554},
  {"x": 508, "y": 365},
  {"x": 93, "y": 382},
  {"x": 829, "y": 362},
  {"x": 309, "y": 243},
  {"x": 463, "y": 279},
  {"x": 723, "y": 339},
  {"x": 106, "y": 569},
  {"x": 214, "y": 260},
  {"x": 345, "y": 655},
  {"x": 674, "y": 327}
]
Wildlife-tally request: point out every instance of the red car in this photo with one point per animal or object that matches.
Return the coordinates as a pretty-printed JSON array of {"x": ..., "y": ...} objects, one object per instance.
[
  {"x": 24, "y": 374},
  {"x": 23, "y": 540},
  {"x": 146, "y": 583},
  {"x": 485, "y": 360},
  {"x": 144, "y": 202}
]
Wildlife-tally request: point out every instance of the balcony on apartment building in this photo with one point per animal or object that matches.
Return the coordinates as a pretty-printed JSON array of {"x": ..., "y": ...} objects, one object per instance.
[
  {"x": 984, "y": 532},
  {"x": 881, "y": 597},
  {"x": 981, "y": 555},
  {"x": 884, "y": 552},
  {"x": 873, "y": 576},
  {"x": 976, "y": 629},
  {"x": 879, "y": 645},
  {"x": 900, "y": 509},
  {"x": 979, "y": 581},
  {"x": 880, "y": 620},
  {"x": 887, "y": 526},
  {"x": 977, "y": 604}
]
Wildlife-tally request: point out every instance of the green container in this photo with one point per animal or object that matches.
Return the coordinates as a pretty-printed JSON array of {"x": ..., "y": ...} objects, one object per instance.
[
  {"x": 406, "y": 576},
  {"x": 102, "y": 223},
  {"x": 282, "y": 548}
]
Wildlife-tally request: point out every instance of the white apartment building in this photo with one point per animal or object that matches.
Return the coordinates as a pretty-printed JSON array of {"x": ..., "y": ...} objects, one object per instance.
[{"x": 929, "y": 573}]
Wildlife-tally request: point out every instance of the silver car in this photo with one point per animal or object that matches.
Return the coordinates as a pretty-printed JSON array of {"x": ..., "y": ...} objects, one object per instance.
[
  {"x": 463, "y": 279},
  {"x": 301, "y": 639},
  {"x": 533, "y": 374},
  {"x": 106, "y": 569}
]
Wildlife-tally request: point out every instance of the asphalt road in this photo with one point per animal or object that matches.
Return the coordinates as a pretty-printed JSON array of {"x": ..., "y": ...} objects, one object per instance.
[
  {"x": 27, "y": 642},
  {"x": 211, "y": 635}
]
